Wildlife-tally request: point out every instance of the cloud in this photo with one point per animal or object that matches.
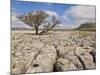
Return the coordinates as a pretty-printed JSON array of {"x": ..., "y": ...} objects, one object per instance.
[
  {"x": 77, "y": 15},
  {"x": 70, "y": 18},
  {"x": 49, "y": 4},
  {"x": 82, "y": 12},
  {"x": 16, "y": 23},
  {"x": 51, "y": 13}
]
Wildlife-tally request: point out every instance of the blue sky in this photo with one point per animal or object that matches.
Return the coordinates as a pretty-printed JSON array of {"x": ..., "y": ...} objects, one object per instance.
[
  {"x": 25, "y": 6},
  {"x": 70, "y": 15}
]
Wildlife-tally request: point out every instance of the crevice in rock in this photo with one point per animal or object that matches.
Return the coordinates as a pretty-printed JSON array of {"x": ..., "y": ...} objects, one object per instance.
[
  {"x": 13, "y": 66},
  {"x": 93, "y": 54},
  {"x": 77, "y": 65},
  {"x": 57, "y": 51},
  {"x": 54, "y": 68},
  {"x": 57, "y": 68},
  {"x": 39, "y": 52},
  {"x": 81, "y": 61},
  {"x": 35, "y": 56},
  {"x": 35, "y": 65}
]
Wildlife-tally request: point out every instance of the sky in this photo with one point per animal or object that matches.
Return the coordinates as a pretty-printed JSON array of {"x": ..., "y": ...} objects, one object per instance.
[{"x": 70, "y": 15}]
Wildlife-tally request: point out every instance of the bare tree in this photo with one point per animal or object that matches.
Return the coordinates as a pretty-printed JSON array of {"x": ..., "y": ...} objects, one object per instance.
[
  {"x": 36, "y": 19},
  {"x": 50, "y": 25}
]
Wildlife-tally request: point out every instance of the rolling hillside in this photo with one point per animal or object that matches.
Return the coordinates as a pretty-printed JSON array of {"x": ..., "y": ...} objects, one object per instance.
[{"x": 87, "y": 26}]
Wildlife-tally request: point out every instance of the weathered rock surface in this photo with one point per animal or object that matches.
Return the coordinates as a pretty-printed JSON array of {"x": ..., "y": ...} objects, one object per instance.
[
  {"x": 58, "y": 51},
  {"x": 44, "y": 61},
  {"x": 65, "y": 65}
]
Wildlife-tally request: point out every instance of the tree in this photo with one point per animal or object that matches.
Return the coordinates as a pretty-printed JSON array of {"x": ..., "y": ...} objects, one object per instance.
[
  {"x": 36, "y": 19},
  {"x": 50, "y": 25}
]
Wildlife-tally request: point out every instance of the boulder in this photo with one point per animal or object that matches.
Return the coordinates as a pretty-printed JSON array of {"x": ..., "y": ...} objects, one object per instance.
[
  {"x": 88, "y": 60},
  {"x": 68, "y": 50},
  {"x": 44, "y": 60},
  {"x": 18, "y": 67},
  {"x": 83, "y": 50},
  {"x": 65, "y": 65},
  {"x": 75, "y": 61}
]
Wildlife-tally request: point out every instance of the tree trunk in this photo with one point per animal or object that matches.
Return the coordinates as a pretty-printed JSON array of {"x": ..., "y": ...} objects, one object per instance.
[{"x": 36, "y": 30}]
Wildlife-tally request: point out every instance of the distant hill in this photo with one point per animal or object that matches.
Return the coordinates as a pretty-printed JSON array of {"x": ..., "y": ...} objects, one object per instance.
[
  {"x": 20, "y": 28},
  {"x": 87, "y": 26}
]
